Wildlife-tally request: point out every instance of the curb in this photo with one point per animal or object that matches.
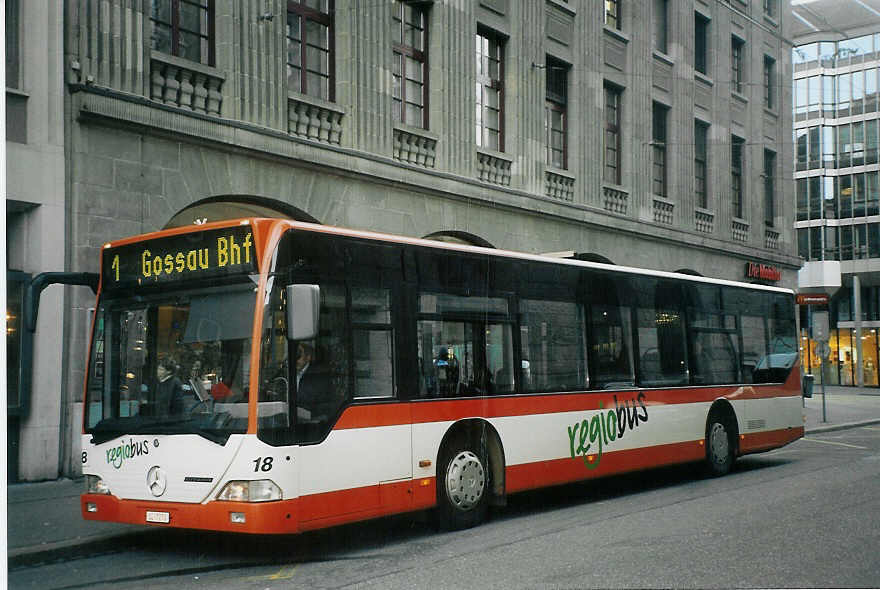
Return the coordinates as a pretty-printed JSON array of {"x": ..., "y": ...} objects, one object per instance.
[
  {"x": 844, "y": 426},
  {"x": 72, "y": 548}
]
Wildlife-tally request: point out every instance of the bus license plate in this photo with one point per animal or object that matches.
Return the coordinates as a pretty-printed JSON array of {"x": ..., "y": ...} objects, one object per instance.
[{"x": 162, "y": 517}]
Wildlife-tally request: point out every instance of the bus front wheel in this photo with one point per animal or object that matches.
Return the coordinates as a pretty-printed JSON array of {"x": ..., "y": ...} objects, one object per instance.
[
  {"x": 463, "y": 489},
  {"x": 720, "y": 446}
]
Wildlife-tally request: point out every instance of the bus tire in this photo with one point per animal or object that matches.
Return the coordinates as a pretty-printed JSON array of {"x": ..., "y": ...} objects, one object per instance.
[
  {"x": 463, "y": 487},
  {"x": 720, "y": 445}
]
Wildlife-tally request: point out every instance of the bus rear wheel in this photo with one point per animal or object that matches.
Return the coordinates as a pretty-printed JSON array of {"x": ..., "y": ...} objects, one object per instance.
[
  {"x": 720, "y": 446},
  {"x": 463, "y": 487}
]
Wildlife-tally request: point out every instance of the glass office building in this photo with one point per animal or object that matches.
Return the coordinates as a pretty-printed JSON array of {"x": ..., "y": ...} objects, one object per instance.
[{"x": 837, "y": 176}]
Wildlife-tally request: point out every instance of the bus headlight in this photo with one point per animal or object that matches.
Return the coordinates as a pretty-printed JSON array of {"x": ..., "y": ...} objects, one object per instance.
[
  {"x": 261, "y": 490},
  {"x": 96, "y": 485}
]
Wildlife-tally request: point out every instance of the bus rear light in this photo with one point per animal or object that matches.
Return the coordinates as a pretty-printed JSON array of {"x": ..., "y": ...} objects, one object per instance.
[
  {"x": 261, "y": 490},
  {"x": 96, "y": 485}
]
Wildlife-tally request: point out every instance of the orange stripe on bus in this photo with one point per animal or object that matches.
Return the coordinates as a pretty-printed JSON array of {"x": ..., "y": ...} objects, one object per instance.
[{"x": 426, "y": 411}]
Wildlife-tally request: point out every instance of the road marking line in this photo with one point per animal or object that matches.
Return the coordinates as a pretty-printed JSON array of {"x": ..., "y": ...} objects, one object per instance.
[
  {"x": 839, "y": 444},
  {"x": 284, "y": 573}
]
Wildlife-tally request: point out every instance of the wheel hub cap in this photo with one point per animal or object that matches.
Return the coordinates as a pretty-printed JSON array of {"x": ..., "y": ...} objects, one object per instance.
[
  {"x": 465, "y": 480},
  {"x": 719, "y": 443}
]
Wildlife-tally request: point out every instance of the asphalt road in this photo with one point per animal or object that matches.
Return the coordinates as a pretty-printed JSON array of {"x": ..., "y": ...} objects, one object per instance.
[{"x": 807, "y": 515}]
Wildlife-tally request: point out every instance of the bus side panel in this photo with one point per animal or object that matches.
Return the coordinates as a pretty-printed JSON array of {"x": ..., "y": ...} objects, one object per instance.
[
  {"x": 547, "y": 449},
  {"x": 356, "y": 470},
  {"x": 426, "y": 440}
]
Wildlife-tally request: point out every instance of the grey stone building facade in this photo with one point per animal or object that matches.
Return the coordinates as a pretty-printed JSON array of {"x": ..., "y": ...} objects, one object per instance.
[
  {"x": 653, "y": 134},
  {"x": 35, "y": 238}
]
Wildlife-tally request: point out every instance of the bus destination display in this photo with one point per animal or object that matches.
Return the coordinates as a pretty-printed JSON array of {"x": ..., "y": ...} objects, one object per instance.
[{"x": 199, "y": 255}]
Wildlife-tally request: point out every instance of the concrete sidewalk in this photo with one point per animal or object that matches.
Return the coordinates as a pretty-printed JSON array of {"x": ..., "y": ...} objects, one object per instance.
[{"x": 44, "y": 521}]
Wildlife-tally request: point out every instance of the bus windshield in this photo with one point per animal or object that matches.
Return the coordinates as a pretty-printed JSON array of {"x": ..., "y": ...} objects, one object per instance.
[{"x": 171, "y": 363}]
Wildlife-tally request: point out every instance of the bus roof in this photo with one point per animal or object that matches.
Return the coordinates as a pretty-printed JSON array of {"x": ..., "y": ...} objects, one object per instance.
[{"x": 398, "y": 239}]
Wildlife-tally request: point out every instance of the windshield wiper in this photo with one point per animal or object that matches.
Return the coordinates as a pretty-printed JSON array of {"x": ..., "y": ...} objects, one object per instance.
[{"x": 114, "y": 428}]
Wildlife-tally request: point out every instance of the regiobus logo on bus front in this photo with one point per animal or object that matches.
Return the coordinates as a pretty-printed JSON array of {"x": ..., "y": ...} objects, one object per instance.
[
  {"x": 604, "y": 428},
  {"x": 117, "y": 455}
]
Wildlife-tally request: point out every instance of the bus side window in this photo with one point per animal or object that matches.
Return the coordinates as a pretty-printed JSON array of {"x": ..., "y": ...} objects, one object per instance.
[
  {"x": 611, "y": 344},
  {"x": 714, "y": 360},
  {"x": 661, "y": 334},
  {"x": 373, "y": 342},
  {"x": 754, "y": 338},
  {"x": 553, "y": 347}
]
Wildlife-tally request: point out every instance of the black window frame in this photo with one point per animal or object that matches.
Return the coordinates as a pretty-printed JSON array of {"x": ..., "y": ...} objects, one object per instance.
[
  {"x": 660, "y": 30},
  {"x": 769, "y": 187},
  {"x": 556, "y": 101},
  {"x": 701, "y": 43},
  {"x": 420, "y": 56},
  {"x": 485, "y": 82},
  {"x": 769, "y": 82},
  {"x": 13, "y": 44},
  {"x": 737, "y": 170},
  {"x": 701, "y": 163},
  {"x": 326, "y": 19},
  {"x": 612, "y": 156},
  {"x": 612, "y": 14},
  {"x": 659, "y": 165},
  {"x": 208, "y": 6},
  {"x": 737, "y": 64}
]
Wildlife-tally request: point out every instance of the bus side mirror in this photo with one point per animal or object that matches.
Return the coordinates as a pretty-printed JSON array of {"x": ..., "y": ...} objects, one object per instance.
[{"x": 303, "y": 306}]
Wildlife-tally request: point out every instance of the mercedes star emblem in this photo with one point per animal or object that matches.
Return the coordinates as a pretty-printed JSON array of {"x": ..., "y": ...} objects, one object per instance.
[{"x": 157, "y": 481}]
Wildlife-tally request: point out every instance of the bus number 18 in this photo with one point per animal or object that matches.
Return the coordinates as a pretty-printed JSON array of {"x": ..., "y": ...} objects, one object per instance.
[{"x": 263, "y": 464}]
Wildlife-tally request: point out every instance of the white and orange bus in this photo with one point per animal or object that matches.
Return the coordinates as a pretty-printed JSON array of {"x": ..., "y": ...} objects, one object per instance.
[{"x": 272, "y": 376}]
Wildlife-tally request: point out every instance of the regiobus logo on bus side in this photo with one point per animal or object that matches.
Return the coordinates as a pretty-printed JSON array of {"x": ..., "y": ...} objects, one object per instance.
[{"x": 604, "y": 428}]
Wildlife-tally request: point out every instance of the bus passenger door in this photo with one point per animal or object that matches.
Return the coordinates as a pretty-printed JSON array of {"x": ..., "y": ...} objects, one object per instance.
[{"x": 356, "y": 453}]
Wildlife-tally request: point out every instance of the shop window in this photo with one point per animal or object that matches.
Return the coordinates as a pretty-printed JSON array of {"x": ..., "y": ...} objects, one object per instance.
[{"x": 18, "y": 346}]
